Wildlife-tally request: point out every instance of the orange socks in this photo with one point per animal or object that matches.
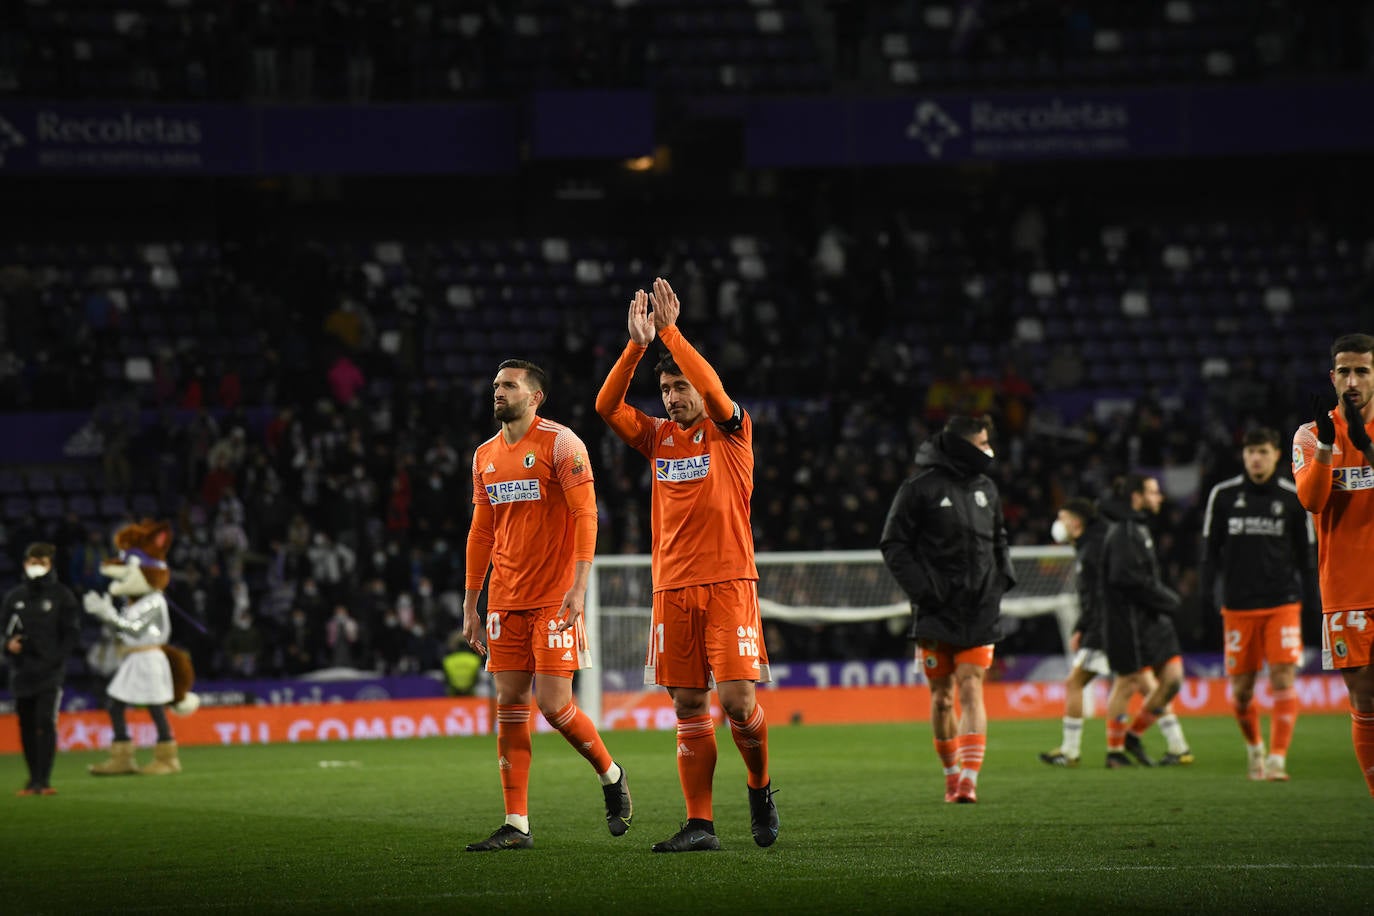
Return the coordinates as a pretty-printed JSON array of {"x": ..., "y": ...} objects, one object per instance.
[
  {"x": 1248, "y": 718},
  {"x": 513, "y": 756},
  {"x": 1116, "y": 734},
  {"x": 947, "y": 749},
  {"x": 1282, "y": 721},
  {"x": 970, "y": 752},
  {"x": 696, "y": 764},
  {"x": 579, "y": 730},
  {"x": 1362, "y": 734},
  {"x": 751, "y": 737},
  {"x": 1143, "y": 720}
]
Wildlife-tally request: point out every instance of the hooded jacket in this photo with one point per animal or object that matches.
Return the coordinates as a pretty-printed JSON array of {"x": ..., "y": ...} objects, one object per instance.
[
  {"x": 945, "y": 542},
  {"x": 1130, "y": 569},
  {"x": 44, "y": 612}
]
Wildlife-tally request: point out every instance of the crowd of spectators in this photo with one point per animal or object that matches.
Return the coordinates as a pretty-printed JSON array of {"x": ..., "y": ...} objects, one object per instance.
[{"x": 321, "y": 501}]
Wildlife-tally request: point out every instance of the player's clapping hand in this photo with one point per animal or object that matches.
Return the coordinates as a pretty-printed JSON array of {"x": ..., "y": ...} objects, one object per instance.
[
  {"x": 1326, "y": 428},
  {"x": 641, "y": 324},
  {"x": 666, "y": 306},
  {"x": 1354, "y": 421}
]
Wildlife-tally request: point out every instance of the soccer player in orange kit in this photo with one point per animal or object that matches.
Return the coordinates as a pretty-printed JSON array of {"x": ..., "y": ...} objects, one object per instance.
[
  {"x": 1333, "y": 466},
  {"x": 705, "y": 607},
  {"x": 534, "y": 524}
]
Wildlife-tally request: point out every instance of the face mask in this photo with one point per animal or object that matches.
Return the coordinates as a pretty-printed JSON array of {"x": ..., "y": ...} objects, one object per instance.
[
  {"x": 34, "y": 571},
  {"x": 1060, "y": 532}
]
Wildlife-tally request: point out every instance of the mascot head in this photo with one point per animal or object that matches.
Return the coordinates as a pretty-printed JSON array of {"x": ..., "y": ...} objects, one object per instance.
[{"x": 141, "y": 566}]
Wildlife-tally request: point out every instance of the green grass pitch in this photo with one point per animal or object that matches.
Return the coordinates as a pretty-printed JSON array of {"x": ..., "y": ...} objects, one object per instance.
[{"x": 368, "y": 827}]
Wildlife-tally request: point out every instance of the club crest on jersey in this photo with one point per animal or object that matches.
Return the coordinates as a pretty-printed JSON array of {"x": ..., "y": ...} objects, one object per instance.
[
  {"x": 1276, "y": 507},
  {"x": 513, "y": 491},
  {"x": 980, "y": 498},
  {"x": 696, "y": 440},
  {"x": 675, "y": 470},
  {"x": 529, "y": 459}
]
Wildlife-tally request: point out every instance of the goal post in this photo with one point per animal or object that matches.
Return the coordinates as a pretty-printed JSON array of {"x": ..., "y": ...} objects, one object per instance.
[{"x": 805, "y": 587}]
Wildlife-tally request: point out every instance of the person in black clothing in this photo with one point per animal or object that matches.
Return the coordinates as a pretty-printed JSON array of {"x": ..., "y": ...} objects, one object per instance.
[
  {"x": 42, "y": 623},
  {"x": 1139, "y": 624},
  {"x": 1259, "y": 542},
  {"x": 945, "y": 542}
]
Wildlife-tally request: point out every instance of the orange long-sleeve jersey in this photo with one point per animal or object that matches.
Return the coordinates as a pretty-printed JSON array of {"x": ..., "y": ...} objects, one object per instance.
[
  {"x": 1341, "y": 499},
  {"x": 534, "y": 516},
  {"x": 703, "y": 475}
]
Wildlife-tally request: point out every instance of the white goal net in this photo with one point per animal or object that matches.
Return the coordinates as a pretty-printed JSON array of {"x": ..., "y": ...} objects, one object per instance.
[{"x": 823, "y": 587}]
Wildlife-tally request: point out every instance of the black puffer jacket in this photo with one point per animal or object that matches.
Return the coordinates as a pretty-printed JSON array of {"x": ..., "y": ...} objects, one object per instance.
[
  {"x": 945, "y": 542},
  {"x": 1130, "y": 569},
  {"x": 44, "y": 612}
]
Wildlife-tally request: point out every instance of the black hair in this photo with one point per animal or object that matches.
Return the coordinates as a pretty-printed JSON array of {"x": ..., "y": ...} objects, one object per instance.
[
  {"x": 1261, "y": 435},
  {"x": 1084, "y": 508},
  {"x": 1352, "y": 343},
  {"x": 539, "y": 379},
  {"x": 667, "y": 366},
  {"x": 967, "y": 427}
]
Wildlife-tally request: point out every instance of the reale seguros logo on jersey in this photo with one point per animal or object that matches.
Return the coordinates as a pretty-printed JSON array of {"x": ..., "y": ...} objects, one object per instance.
[
  {"x": 676, "y": 470},
  {"x": 513, "y": 491}
]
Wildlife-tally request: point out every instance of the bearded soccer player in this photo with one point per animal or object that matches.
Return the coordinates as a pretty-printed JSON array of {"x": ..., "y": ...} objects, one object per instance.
[
  {"x": 1258, "y": 540},
  {"x": 705, "y": 606},
  {"x": 534, "y": 524},
  {"x": 1332, "y": 459}
]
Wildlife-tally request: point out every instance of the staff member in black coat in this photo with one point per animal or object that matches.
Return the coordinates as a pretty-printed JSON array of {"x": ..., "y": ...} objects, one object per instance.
[
  {"x": 42, "y": 624},
  {"x": 945, "y": 542},
  {"x": 1140, "y": 626}
]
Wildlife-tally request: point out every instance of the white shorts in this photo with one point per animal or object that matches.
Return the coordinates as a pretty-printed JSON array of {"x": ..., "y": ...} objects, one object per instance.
[
  {"x": 1094, "y": 660},
  {"x": 143, "y": 679}
]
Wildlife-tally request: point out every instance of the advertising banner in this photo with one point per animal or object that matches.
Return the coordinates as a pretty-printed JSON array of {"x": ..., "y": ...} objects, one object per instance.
[
  {"x": 935, "y": 128},
  {"x": 652, "y": 710}
]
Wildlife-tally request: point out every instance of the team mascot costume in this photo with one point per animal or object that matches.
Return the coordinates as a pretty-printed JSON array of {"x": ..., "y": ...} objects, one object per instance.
[{"x": 151, "y": 673}]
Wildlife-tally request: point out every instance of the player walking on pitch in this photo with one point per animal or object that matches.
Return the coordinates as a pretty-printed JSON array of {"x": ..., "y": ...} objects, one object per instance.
[
  {"x": 705, "y": 607},
  {"x": 1257, "y": 536},
  {"x": 945, "y": 542},
  {"x": 1332, "y": 458},
  {"x": 534, "y": 524}
]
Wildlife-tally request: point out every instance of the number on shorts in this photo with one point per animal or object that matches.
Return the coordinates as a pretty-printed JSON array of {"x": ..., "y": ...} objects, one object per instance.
[
  {"x": 658, "y": 637},
  {"x": 493, "y": 626},
  {"x": 1233, "y": 640}
]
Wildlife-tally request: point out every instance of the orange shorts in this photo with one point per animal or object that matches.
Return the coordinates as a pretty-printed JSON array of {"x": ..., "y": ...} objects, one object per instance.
[
  {"x": 1271, "y": 634},
  {"x": 1347, "y": 637},
  {"x": 702, "y": 632},
  {"x": 939, "y": 659},
  {"x": 530, "y": 641}
]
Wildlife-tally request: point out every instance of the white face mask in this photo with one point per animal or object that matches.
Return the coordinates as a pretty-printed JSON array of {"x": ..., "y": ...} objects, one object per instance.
[
  {"x": 1060, "y": 532},
  {"x": 33, "y": 571}
]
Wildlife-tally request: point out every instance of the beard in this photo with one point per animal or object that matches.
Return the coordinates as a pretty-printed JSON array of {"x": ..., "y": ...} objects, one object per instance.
[{"x": 505, "y": 413}]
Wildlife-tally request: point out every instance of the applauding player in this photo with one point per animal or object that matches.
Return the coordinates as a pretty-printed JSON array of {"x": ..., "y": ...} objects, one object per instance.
[{"x": 706, "y": 605}]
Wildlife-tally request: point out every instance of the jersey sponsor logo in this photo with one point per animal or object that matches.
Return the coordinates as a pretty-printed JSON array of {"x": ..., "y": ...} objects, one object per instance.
[
  {"x": 529, "y": 459},
  {"x": 676, "y": 470},
  {"x": 1258, "y": 525},
  {"x": 514, "y": 491},
  {"x": 1359, "y": 478}
]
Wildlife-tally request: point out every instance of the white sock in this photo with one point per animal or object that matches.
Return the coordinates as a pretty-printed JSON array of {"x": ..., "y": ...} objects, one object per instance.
[
  {"x": 1073, "y": 737},
  {"x": 520, "y": 822},
  {"x": 1276, "y": 760},
  {"x": 611, "y": 776},
  {"x": 1255, "y": 750},
  {"x": 1173, "y": 733},
  {"x": 968, "y": 775}
]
